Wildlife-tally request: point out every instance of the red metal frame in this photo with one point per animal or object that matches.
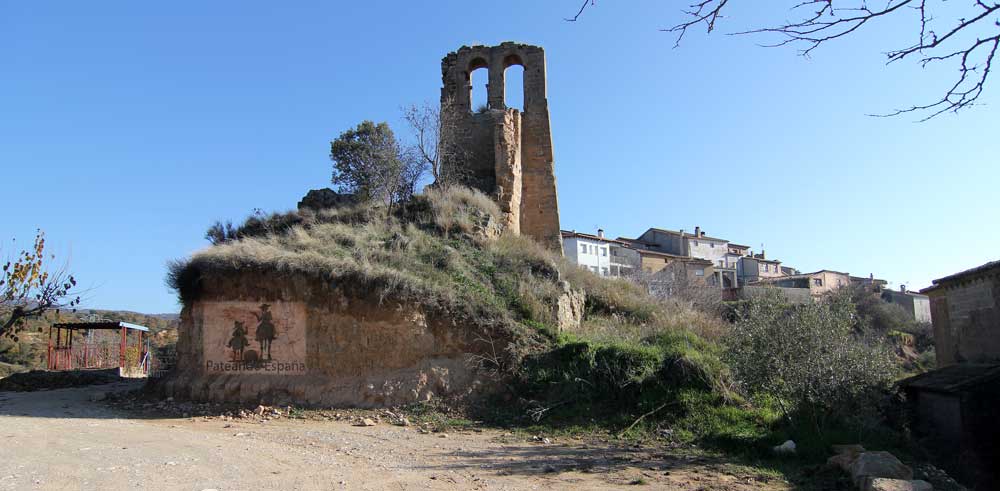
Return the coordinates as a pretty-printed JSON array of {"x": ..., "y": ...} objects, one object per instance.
[{"x": 64, "y": 355}]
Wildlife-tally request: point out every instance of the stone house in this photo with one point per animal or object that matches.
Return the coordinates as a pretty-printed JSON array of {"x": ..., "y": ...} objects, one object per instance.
[
  {"x": 698, "y": 270},
  {"x": 698, "y": 245},
  {"x": 915, "y": 304},
  {"x": 603, "y": 256},
  {"x": 965, "y": 311},
  {"x": 755, "y": 267},
  {"x": 818, "y": 283}
]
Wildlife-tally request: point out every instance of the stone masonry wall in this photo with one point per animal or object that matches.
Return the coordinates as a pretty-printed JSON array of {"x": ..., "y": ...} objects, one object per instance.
[
  {"x": 966, "y": 317},
  {"x": 521, "y": 146},
  {"x": 328, "y": 346}
]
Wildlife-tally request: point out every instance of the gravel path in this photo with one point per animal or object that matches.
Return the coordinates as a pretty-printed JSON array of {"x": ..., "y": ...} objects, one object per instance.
[{"x": 65, "y": 440}]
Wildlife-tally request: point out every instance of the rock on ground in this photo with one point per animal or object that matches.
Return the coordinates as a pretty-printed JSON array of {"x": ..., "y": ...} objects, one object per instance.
[
  {"x": 883, "y": 484},
  {"x": 878, "y": 464}
]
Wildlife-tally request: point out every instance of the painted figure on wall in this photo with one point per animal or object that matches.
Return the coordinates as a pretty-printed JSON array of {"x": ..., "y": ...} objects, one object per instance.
[
  {"x": 238, "y": 341},
  {"x": 266, "y": 332}
]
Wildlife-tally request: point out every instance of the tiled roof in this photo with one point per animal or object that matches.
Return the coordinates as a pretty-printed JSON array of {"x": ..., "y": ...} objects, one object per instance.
[
  {"x": 978, "y": 269},
  {"x": 569, "y": 233},
  {"x": 687, "y": 235}
]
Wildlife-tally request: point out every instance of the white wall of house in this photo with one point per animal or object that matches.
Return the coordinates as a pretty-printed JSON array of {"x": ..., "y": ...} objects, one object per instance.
[
  {"x": 594, "y": 255},
  {"x": 710, "y": 249}
]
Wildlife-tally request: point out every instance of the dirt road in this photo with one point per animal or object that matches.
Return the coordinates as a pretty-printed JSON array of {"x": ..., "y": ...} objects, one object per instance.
[{"x": 62, "y": 440}]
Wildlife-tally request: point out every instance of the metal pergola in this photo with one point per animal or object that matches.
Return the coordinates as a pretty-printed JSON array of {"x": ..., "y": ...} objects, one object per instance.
[{"x": 65, "y": 355}]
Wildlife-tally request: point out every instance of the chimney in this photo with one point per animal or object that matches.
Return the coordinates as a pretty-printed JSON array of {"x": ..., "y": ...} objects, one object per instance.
[
  {"x": 763, "y": 254},
  {"x": 600, "y": 233},
  {"x": 697, "y": 231},
  {"x": 902, "y": 288}
]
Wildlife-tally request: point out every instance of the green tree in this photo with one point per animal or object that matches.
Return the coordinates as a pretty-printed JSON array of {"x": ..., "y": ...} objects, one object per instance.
[
  {"x": 370, "y": 163},
  {"x": 810, "y": 359},
  {"x": 28, "y": 288}
]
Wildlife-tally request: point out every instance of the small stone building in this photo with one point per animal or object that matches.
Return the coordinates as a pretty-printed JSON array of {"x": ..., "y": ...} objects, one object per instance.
[
  {"x": 965, "y": 311},
  {"x": 954, "y": 406}
]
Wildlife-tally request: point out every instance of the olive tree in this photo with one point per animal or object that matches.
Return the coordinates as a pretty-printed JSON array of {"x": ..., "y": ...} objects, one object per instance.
[{"x": 810, "y": 359}]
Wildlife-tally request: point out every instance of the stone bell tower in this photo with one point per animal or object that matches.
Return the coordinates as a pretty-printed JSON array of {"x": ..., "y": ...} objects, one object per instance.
[{"x": 504, "y": 152}]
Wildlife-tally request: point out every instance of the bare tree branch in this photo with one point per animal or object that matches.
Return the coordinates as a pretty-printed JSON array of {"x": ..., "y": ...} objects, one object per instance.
[
  {"x": 583, "y": 7},
  {"x": 970, "y": 41}
]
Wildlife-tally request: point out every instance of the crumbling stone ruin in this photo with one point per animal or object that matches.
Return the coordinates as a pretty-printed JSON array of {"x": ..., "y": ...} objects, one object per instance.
[{"x": 503, "y": 152}]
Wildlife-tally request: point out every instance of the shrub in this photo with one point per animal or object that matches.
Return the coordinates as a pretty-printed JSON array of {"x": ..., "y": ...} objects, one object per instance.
[{"x": 809, "y": 360}]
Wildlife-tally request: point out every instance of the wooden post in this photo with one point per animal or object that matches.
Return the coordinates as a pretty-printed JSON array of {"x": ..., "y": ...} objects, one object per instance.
[
  {"x": 58, "y": 347},
  {"x": 49, "y": 361},
  {"x": 121, "y": 352}
]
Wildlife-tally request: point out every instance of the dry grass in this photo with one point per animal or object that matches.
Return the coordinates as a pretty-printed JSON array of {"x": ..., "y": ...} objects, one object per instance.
[{"x": 632, "y": 353}]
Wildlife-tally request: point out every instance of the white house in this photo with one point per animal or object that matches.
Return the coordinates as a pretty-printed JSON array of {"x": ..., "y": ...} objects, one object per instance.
[{"x": 603, "y": 256}]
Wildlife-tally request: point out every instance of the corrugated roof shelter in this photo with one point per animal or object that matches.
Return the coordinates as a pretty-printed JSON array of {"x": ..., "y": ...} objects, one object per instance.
[{"x": 90, "y": 353}]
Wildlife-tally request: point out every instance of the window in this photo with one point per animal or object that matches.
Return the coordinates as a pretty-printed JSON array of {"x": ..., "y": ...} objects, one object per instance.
[
  {"x": 604, "y": 251},
  {"x": 721, "y": 264},
  {"x": 583, "y": 248},
  {"x": 594, "y": 268},
  {"x": 712, "y": 244},
  {"x": 694, "y": 243},
  {"x": 513, "y": 80},
  {"x": 817, "y": 282},
  {"x": 479, "y": 79},
  {"x": 767, "y": 267},
  {"x": 699, "y": 272},
  {"x": 604, "y": 271}
]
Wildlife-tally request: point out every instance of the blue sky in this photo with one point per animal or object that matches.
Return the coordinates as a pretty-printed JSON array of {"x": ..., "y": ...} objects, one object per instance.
[{"x": 129, "y": 127}]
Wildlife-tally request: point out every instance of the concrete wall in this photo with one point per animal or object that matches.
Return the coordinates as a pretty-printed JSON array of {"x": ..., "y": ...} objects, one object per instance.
[
  {"x": 523, "y": 140},
  {"x": 966, "y": 317},
  {"x": 664, "y": 242},
  {"x": 918, "y": 306}
]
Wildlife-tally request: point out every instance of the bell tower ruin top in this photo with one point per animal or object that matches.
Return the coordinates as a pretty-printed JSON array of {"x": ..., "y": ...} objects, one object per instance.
[{"x": 505, "y": 153}]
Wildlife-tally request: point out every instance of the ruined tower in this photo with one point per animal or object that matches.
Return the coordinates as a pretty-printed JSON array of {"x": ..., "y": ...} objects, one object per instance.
[{"x": 504, "y": 152}]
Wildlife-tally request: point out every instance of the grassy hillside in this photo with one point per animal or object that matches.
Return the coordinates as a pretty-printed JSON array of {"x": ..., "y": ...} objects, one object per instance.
[{"x": 631, "y": 356}]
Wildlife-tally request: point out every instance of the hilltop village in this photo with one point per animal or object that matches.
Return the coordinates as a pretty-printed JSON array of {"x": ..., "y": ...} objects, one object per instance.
[{"x": 672, "y": 261}]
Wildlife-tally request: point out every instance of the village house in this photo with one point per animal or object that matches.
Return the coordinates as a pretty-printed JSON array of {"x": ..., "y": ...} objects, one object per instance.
[
  {"x": 603, "y": 256},
  {"x": 756, "y": 267},
  {"x": 817, "y": 283},
  {"x": 916, "y": 305},
  {"x": 699, "y": 246}
]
